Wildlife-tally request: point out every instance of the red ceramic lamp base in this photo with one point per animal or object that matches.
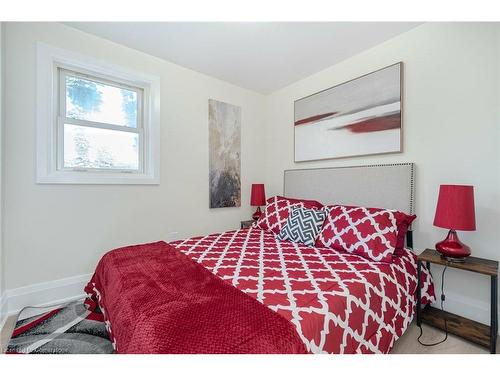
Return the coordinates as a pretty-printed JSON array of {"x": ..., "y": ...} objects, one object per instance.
[
  {"x": 257, "y": 213},
  {"x": 452, "y": 249}
]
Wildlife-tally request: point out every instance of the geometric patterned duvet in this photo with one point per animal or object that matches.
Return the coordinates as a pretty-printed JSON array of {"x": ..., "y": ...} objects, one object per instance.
[{"x": 338, "y": 302}]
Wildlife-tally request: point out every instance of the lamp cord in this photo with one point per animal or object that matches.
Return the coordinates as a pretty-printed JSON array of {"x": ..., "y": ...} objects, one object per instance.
[{"x": 442, "y": 309}]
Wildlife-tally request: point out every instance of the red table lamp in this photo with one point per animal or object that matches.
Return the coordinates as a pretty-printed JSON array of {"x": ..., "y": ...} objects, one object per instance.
[
  {"x": 455, "y": 211},
  {"x": 258, "y": 198}
]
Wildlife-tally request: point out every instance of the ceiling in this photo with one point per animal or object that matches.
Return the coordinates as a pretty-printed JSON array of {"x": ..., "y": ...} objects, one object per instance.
[{"x": 260, "y": 56}]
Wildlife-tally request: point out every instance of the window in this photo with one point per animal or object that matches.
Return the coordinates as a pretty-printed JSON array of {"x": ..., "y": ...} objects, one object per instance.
[
  {"x": 96, "y": 123},
  {"x": 99, "y": 124}
]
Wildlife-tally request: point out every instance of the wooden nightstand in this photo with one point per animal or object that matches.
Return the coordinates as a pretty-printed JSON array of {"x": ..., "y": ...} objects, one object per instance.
[
  {"x": 468, "y": 329},
  {"x": 246, "y": 223}
]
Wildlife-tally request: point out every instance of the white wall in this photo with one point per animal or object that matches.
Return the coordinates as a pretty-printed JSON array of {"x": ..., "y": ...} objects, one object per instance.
[
  {"x": 58, "y": 231},
  {"x": 451, "y": 122},
  {"x": 3, "y": 304}
]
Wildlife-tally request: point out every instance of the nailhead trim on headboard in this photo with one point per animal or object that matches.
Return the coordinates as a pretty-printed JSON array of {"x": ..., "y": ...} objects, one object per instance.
[{"x": 412, "y": 176}]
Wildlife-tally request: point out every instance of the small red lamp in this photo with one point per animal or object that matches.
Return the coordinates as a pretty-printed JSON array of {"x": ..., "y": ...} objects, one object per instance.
[
  {"x": 257, "y": 198},
  {"x": 455, "y": 211}
]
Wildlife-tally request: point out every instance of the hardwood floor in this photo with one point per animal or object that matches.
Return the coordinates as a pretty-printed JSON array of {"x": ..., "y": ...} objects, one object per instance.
[{"x": 407, "y": 344}]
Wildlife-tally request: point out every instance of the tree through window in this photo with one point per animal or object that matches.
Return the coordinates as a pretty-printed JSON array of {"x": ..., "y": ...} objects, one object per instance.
[{"x": 99, "y": 122}]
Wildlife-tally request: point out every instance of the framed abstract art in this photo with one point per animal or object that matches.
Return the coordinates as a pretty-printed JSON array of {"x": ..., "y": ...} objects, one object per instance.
[
  {"x": 358, "y": 117},
  {"x": 224, "y": 139}
]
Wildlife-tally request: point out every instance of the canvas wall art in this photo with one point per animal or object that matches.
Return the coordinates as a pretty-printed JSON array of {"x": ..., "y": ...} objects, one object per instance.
[
  {"x": 358, "y": 117},
  {"x": 224, "y": 124}
]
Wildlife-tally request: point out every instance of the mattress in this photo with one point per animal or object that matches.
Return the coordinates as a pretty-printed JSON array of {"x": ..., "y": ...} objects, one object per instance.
[{"x": 338, "y": 302}]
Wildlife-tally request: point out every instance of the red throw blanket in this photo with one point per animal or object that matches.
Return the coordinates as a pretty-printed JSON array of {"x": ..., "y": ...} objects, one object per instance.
[{"x": 157, "y": 300}]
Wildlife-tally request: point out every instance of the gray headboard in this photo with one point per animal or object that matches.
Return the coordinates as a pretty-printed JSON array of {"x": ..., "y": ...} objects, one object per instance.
[{"x": 385, "y": 186}]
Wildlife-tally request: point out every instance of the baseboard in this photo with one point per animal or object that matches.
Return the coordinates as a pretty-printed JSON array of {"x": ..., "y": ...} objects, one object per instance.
[{"x": 47, "y": 293}]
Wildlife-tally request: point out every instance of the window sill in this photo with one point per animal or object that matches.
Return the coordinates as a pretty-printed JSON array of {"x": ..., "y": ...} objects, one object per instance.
[{"x": 97, "y": 178}]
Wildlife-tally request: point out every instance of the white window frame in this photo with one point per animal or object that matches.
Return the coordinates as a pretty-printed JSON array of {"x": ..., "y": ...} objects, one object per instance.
[{"x": 50, "y": 98}]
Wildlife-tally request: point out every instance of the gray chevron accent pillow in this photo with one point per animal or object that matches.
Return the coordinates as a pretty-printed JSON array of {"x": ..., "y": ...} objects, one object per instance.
[{"x": 302, "y": 225}]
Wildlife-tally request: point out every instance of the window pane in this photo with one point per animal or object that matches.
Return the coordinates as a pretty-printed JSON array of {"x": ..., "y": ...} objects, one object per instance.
[
  {"x": 86, "y": 147},
  {"x": 95, "y": 101}
]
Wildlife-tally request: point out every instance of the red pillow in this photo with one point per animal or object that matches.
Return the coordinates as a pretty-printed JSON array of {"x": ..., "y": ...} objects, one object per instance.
[
  {"x": 306, "y": 202},
  {"x": 403, "y": 221},
  {"x": 277, "y": 210},
  {"x": 369, "y": 232}
]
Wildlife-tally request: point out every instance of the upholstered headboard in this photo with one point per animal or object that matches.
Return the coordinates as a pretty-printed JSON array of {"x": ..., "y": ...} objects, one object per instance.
[{"x": 389, "y": 186}]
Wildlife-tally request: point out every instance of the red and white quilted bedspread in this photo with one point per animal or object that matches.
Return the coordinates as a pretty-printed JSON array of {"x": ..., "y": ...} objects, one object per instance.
[{"x": 338, "y": 302}]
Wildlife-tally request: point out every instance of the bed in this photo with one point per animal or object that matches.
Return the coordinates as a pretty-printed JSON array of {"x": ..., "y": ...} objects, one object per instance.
[{"x": 245, "y": 291}]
